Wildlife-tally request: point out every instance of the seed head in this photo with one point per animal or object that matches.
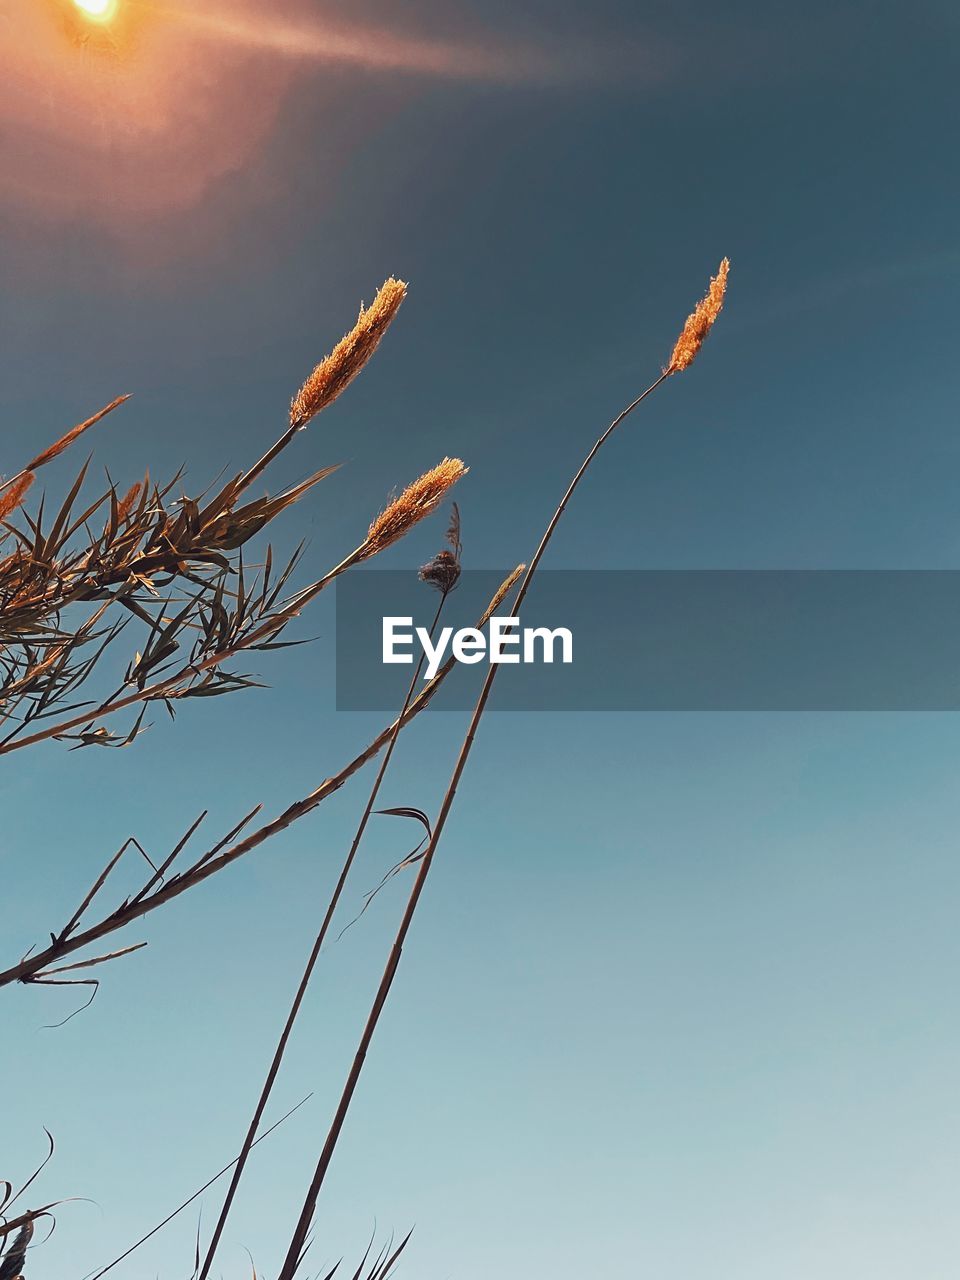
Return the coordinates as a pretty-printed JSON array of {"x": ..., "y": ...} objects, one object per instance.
[
  {"x": 700, "y": 322},
  {"x": 337, "y": 370},
  {"x": 501, "y": 593},
  {"x": 66, "y": 441},
  {"x": 10, "y": 500},
  {"x": 127, "y": 503},
  {"x": 416, "y": 501},
  {"x": 442, "y": 572}
]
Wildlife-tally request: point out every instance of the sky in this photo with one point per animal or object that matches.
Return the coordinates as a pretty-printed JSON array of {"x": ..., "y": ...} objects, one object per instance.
[{"x": 680, "y": 997}]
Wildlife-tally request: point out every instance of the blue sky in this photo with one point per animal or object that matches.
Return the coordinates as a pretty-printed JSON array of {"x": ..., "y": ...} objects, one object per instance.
[{"x": 680, "y": 1000}]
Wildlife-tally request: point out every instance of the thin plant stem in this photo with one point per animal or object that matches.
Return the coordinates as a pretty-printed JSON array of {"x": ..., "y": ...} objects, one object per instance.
[
  {"x": 311, "y": 964},
  {"x": 196, "y": 1195},
  {"x": 139, "y": 905},
  {"x": 301, "y": 1232}
]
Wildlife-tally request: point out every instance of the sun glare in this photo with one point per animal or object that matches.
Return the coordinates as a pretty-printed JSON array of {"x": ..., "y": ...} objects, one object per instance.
[{"x": 102, "y": 10}]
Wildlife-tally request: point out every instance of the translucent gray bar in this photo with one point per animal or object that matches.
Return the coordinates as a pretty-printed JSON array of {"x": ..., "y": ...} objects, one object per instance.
[{"x": 687, "y": 640}]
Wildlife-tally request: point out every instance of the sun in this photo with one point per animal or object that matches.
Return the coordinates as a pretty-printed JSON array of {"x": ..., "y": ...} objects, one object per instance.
[{"x": 99, "y": 10}]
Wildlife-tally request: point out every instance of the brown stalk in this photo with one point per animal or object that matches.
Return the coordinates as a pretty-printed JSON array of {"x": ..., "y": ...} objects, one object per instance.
[
  {"x": 302, "y": 1229},
  {"x": 311, "y": 963},
  {"x": 40, "y": 655},
  {"x": 16, "y": 1224},
  {"x": 15, "y": 494},
  {"x": 140, "y": 906},
  {"x": 416, "y": 502},
  {"x": 60, "y": 446},
  {"x": 196, "y": 1195},
  {"x": 333, "y": 375}
]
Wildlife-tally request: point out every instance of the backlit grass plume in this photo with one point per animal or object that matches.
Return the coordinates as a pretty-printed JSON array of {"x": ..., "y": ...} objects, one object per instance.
[
  {"x": 64, "y": 443},
  {"x": 501, "y": 593},
  {"x": 337, "y": 370},
  {"x": 700, "y": 322},
  {"x": 10, "y": 500},
  {"x": 416, "y": 501},
  {"x": 695, "y": 330}
]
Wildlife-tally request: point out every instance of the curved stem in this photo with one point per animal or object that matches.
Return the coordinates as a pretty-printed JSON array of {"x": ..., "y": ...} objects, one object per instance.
[
  {"x": 302, "y": 1229},
  {"x": 311, "y": 964},
  {"x": 137, "y": 906}
]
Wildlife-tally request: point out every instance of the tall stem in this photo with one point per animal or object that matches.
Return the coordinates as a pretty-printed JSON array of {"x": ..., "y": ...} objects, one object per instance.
[
  {"x": 298, "y": 1241},
  {"x": 314, "y": 956}
]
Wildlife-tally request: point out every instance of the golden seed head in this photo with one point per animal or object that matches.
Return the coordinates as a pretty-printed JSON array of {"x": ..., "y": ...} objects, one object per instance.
[
  {"x": 10, "y": 500},
  {"x": 337, "y": 370},
  {"x": 126, "y": 505},
  {"x": 501, "y": 593},
  {"x": 66, "y": 441},
  {"x": 700, "y": 322},
  {"x": 416, "y": 501}
]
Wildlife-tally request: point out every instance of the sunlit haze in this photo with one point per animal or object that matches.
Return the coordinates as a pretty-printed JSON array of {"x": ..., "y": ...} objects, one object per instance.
[{"x": 102, "y": 9}]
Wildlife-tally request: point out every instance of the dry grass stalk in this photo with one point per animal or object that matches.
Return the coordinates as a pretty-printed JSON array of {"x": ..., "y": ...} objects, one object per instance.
[
  {"x": 12, "y": 1258},
  {"x": 64, "y": 443},
  {"x": 700, "y": 321},
  {"x": 173, "y": 568},
  {"x": 169, "y": 565},
  {"x": 336, "y": 371},
  {"x": 11, "y": 1267},
  {"x": 324, "y": 929},
  {"x": 504, "y": 589},
  {"x": 37, "y": 582},
  {"x": 443, "y": 571},
  {"x": 185, "y": 550},
  {"x": 13, "y": 497},
  {"x": 302, "y": 1230},
  {"x": 195, "y": 1196},
  {"x": 417, "y": 501},
  {"x": 70, "y": 940},
  {"x": 126, "y": 503}
]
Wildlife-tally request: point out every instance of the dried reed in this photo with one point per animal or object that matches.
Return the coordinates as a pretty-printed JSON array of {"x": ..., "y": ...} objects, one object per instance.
[
  {"x": 176, "y": 568},
  {"x": 416, "y": 501},
  {"x": 334, "y": 902},
  {"x": 700, "y": 321},
  {"x": 185, "y": 1204},
  {"x": 12, "y": 1265},
  {"x": 37, "y": 584},
  {"x": 302, "y": 1229},
  {"x": 162, "y": 888},
  {"x": 12, "y": 1258},
  {"x": 65, "y": 441},
  {"x": 336, "y": 371},
  {"x": 148, "y": 548},
  {"x": 13, "y": 497}
]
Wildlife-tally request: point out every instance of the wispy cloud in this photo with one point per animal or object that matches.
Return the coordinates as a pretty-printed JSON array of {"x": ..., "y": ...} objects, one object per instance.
[
  {"x": 323, "y": 42},
  {"x": 313, "y": 40}
]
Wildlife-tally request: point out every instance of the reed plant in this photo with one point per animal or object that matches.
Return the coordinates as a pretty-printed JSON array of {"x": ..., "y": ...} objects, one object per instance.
[
  {"x": 17, "y": 1229},
  {"x": 172, "y": 568},
  {"x": 175, "y": 568},
  {"x": 686, "y": 348}
]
